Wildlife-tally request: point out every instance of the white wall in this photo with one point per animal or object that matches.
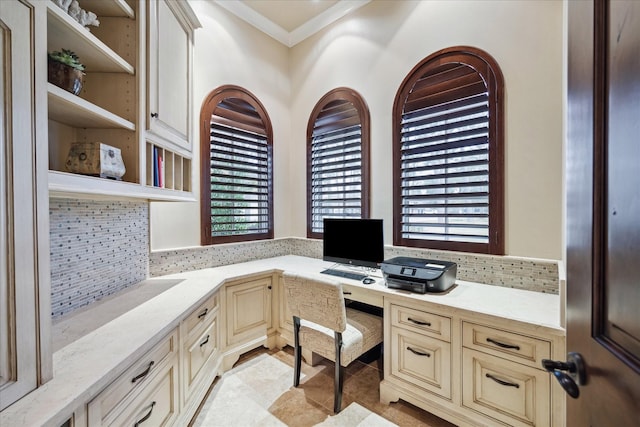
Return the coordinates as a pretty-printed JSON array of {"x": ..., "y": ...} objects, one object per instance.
[
  {"x": 229, "y": 51},
  {"x": 372, "y": 51}
]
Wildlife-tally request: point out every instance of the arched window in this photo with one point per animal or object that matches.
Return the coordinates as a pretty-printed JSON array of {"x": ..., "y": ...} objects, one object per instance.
[
  {"x": 448, "y": 154},
  {"x": 337, "y": 159},
  {"x": 236, "y": 154}
]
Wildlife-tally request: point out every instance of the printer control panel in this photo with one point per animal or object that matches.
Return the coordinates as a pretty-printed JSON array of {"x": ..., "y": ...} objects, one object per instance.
[{"x": 408, "y": 271}]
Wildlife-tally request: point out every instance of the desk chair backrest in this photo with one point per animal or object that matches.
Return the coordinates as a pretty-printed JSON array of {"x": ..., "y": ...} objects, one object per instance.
[{"x": 316, "y": 299}]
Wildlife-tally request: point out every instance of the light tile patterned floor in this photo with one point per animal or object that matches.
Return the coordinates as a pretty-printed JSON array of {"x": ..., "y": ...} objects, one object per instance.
[{"x": 258, "y": 391}]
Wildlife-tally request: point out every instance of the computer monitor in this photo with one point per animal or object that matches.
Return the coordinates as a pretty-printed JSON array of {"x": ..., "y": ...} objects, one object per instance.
[{"x": 353, "y": 241}]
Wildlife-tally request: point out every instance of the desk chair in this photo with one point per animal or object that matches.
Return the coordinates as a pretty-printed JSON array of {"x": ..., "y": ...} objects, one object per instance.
[{"x": 322, "y": 324}]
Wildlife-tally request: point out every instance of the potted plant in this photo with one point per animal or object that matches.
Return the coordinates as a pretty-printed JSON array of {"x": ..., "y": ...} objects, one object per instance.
[{"x": 65, "y": 70}]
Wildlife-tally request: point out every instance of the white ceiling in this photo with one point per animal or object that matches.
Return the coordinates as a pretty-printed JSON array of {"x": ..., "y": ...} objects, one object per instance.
[{"x": 290, "y": 21}]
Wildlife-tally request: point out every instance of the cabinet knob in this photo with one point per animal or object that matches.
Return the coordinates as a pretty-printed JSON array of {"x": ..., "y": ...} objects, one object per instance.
[{"x": 154, "y": 115}]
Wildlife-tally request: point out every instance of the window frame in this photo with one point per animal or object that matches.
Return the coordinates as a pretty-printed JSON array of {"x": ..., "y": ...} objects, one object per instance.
[
  {"x": 490, "y": 72},
  {"x": 209, "y": 105},
  {"x": 350, "y": 95}
]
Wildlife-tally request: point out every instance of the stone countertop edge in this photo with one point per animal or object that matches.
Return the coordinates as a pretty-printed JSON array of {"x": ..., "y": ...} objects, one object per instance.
[{"x": 83, "y": 368}]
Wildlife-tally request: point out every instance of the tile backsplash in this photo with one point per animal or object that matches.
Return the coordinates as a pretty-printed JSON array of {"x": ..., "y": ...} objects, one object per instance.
[
  {"x": 97, "y": 248},
  {"x": 514, "y": 272},
  {"x": 101, "y": 247}
]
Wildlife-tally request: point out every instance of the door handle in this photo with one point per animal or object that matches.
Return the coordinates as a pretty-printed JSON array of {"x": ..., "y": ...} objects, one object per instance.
[{"x": 570, "y": 374}]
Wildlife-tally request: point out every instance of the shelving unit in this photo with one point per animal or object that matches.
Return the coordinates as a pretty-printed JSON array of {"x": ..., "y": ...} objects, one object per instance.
[
  {"x": 169, "y": 170},
  {"x": 110, "y": 108}
]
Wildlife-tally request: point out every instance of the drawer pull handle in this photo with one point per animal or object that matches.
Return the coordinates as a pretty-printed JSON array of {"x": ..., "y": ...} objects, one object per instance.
[
  {"x": 204, "y": 313},
  {"x": 146, "y": 417},
  {"x": 503, "y": 345},
  {"x": 206, "y": 340},
  {"x": 419, "y": 322},
  {"x": 346, "y": 293},
  {"x": 418, "y": 353},
  {"x": 144, "y": 374},
  {"x": 499, "y": 381}
]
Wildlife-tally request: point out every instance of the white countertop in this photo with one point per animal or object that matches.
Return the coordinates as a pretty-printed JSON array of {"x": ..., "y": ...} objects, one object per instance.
[{"x": 88, "y": 364}]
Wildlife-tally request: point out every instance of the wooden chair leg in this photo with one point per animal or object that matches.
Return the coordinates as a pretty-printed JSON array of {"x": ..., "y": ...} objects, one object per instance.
[
  {"x": 297, "y": 353},
  {"x": 338, "y": 380}
]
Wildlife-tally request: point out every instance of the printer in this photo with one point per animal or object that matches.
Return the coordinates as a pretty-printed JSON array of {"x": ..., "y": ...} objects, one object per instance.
[{"x": 418, "y": 275}]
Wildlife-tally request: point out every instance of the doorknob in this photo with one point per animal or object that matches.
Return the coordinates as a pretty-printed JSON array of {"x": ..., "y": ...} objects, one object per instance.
[{"x": 576, "y": 373}]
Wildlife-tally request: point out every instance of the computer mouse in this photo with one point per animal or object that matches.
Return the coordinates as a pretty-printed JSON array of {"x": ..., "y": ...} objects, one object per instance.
[{"x": 368, "y": 281}]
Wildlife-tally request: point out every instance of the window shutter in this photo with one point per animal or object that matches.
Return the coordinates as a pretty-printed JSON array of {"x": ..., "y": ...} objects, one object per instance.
[
  {"x": 236, "y": 161},
  {"x": 445, "y": 160},
  {"x": 239, "y": 181},
  {"x": 337, "y": 174}
]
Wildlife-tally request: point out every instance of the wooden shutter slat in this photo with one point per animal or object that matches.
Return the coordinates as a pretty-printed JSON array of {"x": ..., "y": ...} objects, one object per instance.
[
  {"x": 446, "y": 96},
  {"x": 410, "y": 149},
  {"x": 239, "y": 121},
  {"x": 442, "y": 83},
  {"x": 337, "y": 124},
  {"x": 449, "y": 73},
  {"x": 478, "y": 194},
  {"x": 440, "y": 109}
]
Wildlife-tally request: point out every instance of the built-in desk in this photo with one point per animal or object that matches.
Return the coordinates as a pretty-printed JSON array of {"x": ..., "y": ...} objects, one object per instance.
[{"x": 472, "y": 312}]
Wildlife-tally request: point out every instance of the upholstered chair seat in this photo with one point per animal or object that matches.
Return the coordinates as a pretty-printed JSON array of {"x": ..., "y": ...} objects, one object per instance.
[{"x": 324, "y": 326}]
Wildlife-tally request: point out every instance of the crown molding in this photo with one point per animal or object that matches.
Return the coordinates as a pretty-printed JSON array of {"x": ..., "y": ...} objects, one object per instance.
[{"x": 304, "y": 31}]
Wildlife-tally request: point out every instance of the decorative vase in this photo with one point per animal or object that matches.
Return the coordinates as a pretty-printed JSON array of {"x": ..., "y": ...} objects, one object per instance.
[{"x": 64, "y": 76}]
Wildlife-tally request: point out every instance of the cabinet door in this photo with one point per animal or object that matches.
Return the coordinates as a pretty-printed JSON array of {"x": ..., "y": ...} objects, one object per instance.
[
  {"x": 22, "y": 196},
  {"x": 248, "y": 308},
  {"x": 170, "y": 40}
]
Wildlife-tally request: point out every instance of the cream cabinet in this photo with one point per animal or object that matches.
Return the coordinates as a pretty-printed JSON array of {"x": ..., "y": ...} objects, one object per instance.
[
  {"x": 503, "y": 377},
  {"x": 169, "y": 101},
  {"x": 112, "y": 106},
  {"x": 469, "y": 368},
  {"x": 200, "y": 354},
  {"x": 170, "y": 43},
  {"x": 148, "y": 387},
  {"x": 420, "y": 349},
  {"x": 248, "y": 307},
  {"x": 25, "y": 353},
  {"x": 249, "y": 314}
]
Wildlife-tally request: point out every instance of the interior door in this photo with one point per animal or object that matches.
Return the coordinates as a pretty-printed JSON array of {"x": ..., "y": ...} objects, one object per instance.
[{"x": 603, "y": 210}]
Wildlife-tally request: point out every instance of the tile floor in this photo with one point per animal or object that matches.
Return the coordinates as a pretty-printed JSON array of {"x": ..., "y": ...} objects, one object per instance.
[{"x": 258, "y": 391}]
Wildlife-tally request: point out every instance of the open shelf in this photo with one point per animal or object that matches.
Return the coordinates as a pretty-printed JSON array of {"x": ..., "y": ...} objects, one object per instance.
[
  {"x": 111, "y": 8},
  {"x": 67, "y": 108},
  {"x": 63, "y": 32},
  {"x": 64, "y": 184}
]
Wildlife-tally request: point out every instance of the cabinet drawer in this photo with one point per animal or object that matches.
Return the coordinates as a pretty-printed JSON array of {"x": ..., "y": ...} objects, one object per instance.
[
  {"x": 421, "y": 322},
  {"x": 202, "y": 315},
  {"x": 507, "y": 391},
  {"x": 422, "y": 361},
  {"x": 133, "y": 379},
  {"x": 198, "y": 350},
  {"x": 156, "y": 405},
  {"x": 362, "y": 295},
  {"x": 512, "y": 346}
]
